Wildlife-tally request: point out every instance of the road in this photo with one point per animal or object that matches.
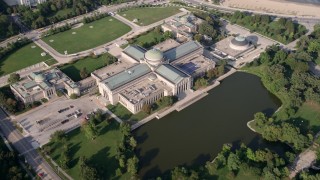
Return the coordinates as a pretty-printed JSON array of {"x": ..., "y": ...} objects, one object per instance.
[{"x": 22, "y": 145}]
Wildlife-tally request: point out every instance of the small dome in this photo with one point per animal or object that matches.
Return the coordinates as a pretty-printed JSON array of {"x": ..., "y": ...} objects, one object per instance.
[
  {"x": 239, "y": 43},
  {"x": 76, "y": 91},
  {"x": 152, "y": 77},
  {"x": 154, "y": 57},
  {"x": 184, "y": 19},
  {"x": 39, "y": 78}
]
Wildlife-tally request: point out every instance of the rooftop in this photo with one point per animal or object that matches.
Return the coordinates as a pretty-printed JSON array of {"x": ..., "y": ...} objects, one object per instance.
[
  {"x": 181, "y": 50},
  {"x": 137, "y": 92},
  {"x": 124, "y": 77},
  {"x": 171, "y": 73},
  {"x": 166, "y": 45},
  {"x": 134, "y": 51}
]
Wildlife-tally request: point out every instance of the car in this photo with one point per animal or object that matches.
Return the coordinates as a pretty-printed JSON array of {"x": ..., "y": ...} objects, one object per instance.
[{"x": 41, "y": 174}]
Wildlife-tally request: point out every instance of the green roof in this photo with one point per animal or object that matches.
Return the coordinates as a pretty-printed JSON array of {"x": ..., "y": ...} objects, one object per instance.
[
  {"x": 181, "y": 50},
  {"x": 29, "y": 84},
  {"x": 170, "y": 73},
  {"x": 135, "y": 52},
  {"x": 124, "y": 77}
]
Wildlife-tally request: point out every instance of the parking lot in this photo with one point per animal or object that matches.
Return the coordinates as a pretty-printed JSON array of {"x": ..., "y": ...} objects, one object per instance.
[{"x": 63, "y": 114}]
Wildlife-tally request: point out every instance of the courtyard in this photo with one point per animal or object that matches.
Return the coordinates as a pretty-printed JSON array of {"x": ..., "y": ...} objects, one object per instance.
[
  {"x": 149, "y": 15},
  {"x": 28, "y": 55},
  {"x": 87, "y": 36}
]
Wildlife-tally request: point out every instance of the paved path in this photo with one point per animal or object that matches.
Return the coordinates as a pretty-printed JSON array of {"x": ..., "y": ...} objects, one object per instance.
[
  {"x": 303, "y": 161},
  {"x": 23, "y": 146}
]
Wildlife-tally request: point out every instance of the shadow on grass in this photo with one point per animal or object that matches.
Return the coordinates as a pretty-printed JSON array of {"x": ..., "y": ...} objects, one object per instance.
[
  {"x": 105, "y": 165},
  {"x": 74, "y": 148},
  {"x": 72, "y": 72}
]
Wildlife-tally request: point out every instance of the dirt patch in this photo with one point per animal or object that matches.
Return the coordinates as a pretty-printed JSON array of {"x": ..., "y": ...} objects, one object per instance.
[
  {"x": 313, "y": 105},
  {"x": 77, "y": 25}
]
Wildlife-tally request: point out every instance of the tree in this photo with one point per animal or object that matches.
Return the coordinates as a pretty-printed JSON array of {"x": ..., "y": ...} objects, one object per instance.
[
  {"x": 200, "y": 82},
  {"x": 132, "y": 142},
  {"x": 87, "y": 172},
  {"x": 14, "y": 77},
  {"x": 73, "y": 96},
  {"x": 83, "y": 73},
  {"x": 146, "y": 108},
  {"x": 57, "y": 136},
  {"x": 125, "y": 129},
  {"x": 90, "y": 130},
  {"x": 132, "y": 165},
  {"x": 197, "y": 37},
  {"x": 233, "y": 162}
]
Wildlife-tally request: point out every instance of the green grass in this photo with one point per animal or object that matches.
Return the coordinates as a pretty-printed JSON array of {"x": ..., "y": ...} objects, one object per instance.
[
  {"x": 124, "y": 114},
  {"x": 51, "y": 62},
  {"x": 62, "y": 12},
  {"x": 103, "y": 31},
  {"x": 310, "y": 112},
  {"x": 224, "y": 174},
  {"x": 149, "y": 15},
  {"x": 22, "y": 58},
  {"x": 100, "y": 152},
  {"x": 73, "y": 70},
  {"x": 148, "y": 39}
]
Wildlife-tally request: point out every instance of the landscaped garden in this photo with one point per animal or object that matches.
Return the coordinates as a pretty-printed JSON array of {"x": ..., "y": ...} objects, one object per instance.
[
  {"x": 82, "y": 68},
  {"x": 87, "y": 36},
  {"x": 148, "y": 15},
  {"x": 150, "y": 38},
  {"x": 23, "y": 57}
]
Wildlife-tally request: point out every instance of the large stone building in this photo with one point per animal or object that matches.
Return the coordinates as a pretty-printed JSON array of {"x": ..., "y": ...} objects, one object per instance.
[
  {"x": 154, "y": 74},
  {"x": 39, "y": 85}
]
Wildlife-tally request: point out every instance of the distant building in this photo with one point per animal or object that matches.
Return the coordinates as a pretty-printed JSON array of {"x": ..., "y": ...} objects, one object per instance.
[
  {"x": 182, "y": 27},
  {"x": 24, "y": 2},
  {"x": 232, "y": 47},
  {"x": 155, "y": 74},
  {"x": 39, "y": 85}
]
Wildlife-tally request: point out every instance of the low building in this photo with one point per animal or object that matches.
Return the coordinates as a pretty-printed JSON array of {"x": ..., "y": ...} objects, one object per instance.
[
  {"x": 154, "y": 74},
  {"x": 182, "y": 27},
  {"x": 232, "y": 47},
  {"x": 39, "y": 85}
]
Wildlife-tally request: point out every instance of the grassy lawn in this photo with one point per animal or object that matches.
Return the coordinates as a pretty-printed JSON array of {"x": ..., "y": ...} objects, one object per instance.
[
  {"x": 148, "y": 39},
  {"x": 124, "y": 114},
  {"x": 309, "y": 113},
  {"x": 62, "y": 12},
  {"x": 73, "y": 70},
  {"x": 23, "y": 57},
  {"x": 149, "y": 15},
  {"x": 84, "y": 37},
  {"x": 224, "y": 174},
  {"x": 100, "y": 152}
]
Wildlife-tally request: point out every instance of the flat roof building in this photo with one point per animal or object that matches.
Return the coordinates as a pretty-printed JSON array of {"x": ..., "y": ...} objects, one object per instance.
[
  {"x": 39, "y": 85},
  {"x": 154, "y": 74},
  {"x": 232, "y": 47}
]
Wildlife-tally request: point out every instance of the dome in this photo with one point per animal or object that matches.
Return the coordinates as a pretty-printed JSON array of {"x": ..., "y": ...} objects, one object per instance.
[
  {"x": 154, "y": 57},
  {"x": 152, "y": 77},
  {"x": 239, "y": 43},
  {"x": 39, "y": 78}
]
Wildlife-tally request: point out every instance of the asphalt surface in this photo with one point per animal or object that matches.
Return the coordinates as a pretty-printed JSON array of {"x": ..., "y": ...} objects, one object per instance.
[{"x": 22, "y": 145}]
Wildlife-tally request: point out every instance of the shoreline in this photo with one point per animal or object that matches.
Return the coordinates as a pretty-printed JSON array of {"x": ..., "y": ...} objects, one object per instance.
[{"x": 276, "y": 6}]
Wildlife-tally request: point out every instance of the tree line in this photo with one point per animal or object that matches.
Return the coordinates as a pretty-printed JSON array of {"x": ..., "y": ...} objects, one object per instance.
[
  {"x": 283, "y": 30},
  {"x": 7, "y": 26},
  {"x": 9, "y": 164}
]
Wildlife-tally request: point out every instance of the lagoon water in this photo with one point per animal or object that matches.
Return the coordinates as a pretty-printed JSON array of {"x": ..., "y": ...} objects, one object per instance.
[
  {"x": 196, "y": 134},
  {"x": 315, "y": 2}
]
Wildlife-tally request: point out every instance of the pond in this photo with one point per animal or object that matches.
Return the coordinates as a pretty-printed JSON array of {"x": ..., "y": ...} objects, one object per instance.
[{"x": 196, "y": 134}]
